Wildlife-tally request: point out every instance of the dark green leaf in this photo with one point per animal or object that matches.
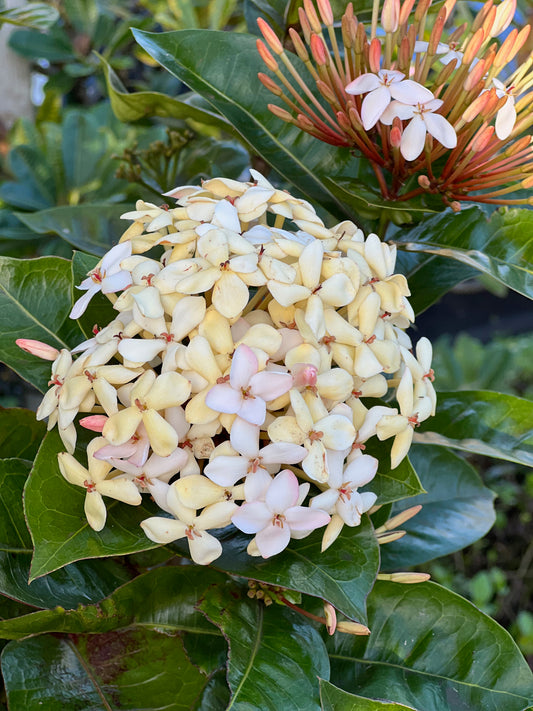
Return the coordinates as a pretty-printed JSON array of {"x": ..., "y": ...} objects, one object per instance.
[
  {"x": 55, "y": 516},
  {"x": 275, "y": 655},
  {"x": 392, "y": 484},
  {"x": 272, "y": 11},
  {"x": 128, "y": 669},
  {"x": 34, "y": 303},
  {"x": 501, "y": 247},
  {"x": 483, "y": 422},
  {"x": 14, "y": 536},
  {"x": 456, "y": 511},
  {"x": 37, "y": 15},
  {"x": 434, "y": 651},
  {"x": 164, "y": 599},
  {"x": 335, "y": 699},
  {"x": 20, "y": 433},
  {"x": 145, "y": 104},
  {"x": 223, "y": 68},
  {"x": 343, "y": 574},
  {"x": 54, "y": 47},
  {"x": 92, "y": 228},
  {"x": 76, "y": 584}
]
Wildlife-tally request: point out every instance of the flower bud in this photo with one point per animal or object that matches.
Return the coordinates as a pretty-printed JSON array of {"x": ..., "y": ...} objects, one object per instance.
[
  {"x": 95, "y": 423},
  {"x": 390, "y": 15},
  {"x": 270, "y": 36},
  {"x": 326, "y": 12},
  {"x": 266, "y": 56},
  {"x": 331, "y": 617},
  {"x": 37, "y": 348},
  {"x": 504, "y": 15},
  {"x": 374, "y": 55},
  {"x": 319, "y": 50},
  {"x": 310, "y": 12}
]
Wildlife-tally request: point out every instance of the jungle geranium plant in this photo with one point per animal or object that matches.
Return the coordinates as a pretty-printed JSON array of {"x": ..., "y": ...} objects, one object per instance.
[{"x": 244, "y": 455}]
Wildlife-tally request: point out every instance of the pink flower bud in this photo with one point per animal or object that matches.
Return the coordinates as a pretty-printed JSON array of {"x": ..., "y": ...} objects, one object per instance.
[
  {"x": 304, "y": 375},
  {"x": 504, "y": 15},
  {"x": 37, "y": 348},
  {"x": 374, "y": 55},
  {"x": 95, "y": 423}
]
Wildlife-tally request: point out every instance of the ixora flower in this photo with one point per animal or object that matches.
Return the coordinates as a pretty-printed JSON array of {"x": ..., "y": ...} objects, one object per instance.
[{"x": 249, "y": 417}]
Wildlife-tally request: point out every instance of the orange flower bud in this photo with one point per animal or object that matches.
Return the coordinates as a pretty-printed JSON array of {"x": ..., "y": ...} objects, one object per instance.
[{"x": 270, "y": 36}]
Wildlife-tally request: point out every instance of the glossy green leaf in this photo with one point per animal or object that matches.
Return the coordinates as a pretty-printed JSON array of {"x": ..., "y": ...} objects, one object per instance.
[
  {"x": 37, "y": 15},
  {"x": 501, "y": 247},
  {"x": 433, "y": 651},
  {"x": 127, "y": 669},
  {"x": 145, "y": 104},
  {"x": 14, "y": 535},
  {"x": 34, "y": 303},
  {"x": 56, "y": 519},
  {"x": 93, "y": 228},
  {"x": 343, "y": 574},
  {"x": 20, "y": 433},
  {"x": 483, "y": 422},
  {"x": 164, "y": 599},
  {"x": 391, "y": 484},
  {"x": 456, "y": 511},
  {"x": 208, "y": 63},
  {"x": 430, "y": 277},
  {"x": 334, "y": 699},
  {"x": 275, "y": 655},
  {"x": 79, "y": 583}
]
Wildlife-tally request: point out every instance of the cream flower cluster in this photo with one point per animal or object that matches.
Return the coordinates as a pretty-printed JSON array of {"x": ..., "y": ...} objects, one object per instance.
[{"x": 231, "y": 384}]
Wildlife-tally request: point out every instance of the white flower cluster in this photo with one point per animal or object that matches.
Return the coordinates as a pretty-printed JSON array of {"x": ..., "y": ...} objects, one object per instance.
[{"x": 230, "y": 386}]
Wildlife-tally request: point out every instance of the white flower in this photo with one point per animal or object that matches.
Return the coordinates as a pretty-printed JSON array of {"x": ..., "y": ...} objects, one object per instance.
[
  {"x": 382, "y": 88},
  {"x": 506, "y": 116},
  {"x": 272, "y": 519},
  {"x": 108, "y": 277},
  {"x": 424, "y": 120}
]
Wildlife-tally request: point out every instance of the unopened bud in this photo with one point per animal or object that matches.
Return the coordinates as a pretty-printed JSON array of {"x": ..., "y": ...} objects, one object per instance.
[
  {"x": 475, "y": 76},
  {"x": 488, "y": 22},
  {"x": 473, "y": 47},
  {"x": 269, "y": 84},
  {"x": 456, "y": 207},
  {"x": 327, "y": 92},
  {"x": 405, "y": 11},
  {"x": 405, "y": 578},
  {"x": 395, "y": 136},
  {"x": 421, "y": 9},
  {"x": 304, "y": 24},
  {"x": 374, "y": 55},
  {"x": 390, "y": 15},
  {"x": 436, "y": 32},
  {"x": 331, "y": 618},
  {"x": 319, "y": 50},
  {"x": 37, "y": 348},
  {"x": 280, "y": 113},
  {"x": 299, "y": 46},
  {"x": 266, "y": 56},
  {"x": 527, "y": 183},
  {"x": 95, "y": 423},
  {"x": 424, "y": 182},
  {"x": 389, "y": 537},
  {"x": 325, "y": 11},
  {"x": 476, "y": 107},
  {"x": 270, "y": 36},
  {"x": 304, "y": 374},
  {"x": 349, "y": 627},
  {"x": 360, "y": 39},
  {"x": 349, "y": 28},
  {"x": 481, "y": 139},
  {"x": 310, "y": 11},
  {"x": 504, "y": 15}
]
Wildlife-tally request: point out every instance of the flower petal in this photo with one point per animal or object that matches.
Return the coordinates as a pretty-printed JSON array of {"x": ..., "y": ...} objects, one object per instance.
[
  {"x": 283, "y": 492},
  {"x": 273, "y": 539},
  {"x": 441, "y": 129},
  {"x": 252, "y": 517},
  {"x": 302, "y": 518},
  {"x": 223, "y": 398},
  {"x": 413, "y": 138},
  {"x": 374, "y": 104},
  {"x": 363, "y": 84}
]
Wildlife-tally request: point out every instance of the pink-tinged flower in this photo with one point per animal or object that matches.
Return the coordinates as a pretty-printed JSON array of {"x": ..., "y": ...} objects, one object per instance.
[
  {"x": 381, "y": 89},
  {"x": 424, "y": 120},
  {"x": 107, "y": 278},
  {"x": 248, "y": 390},
  {"x": 273, "y": 519},
  {"x": 226, "y": 470}
]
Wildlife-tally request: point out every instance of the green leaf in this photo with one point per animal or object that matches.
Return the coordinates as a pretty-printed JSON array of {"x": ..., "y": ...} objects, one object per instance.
[
  {"x": 56, "y": 519},
  {"x": 392, "y": 484},
  {"x": 14, "y": 536},
  {"x": 164, "y": 599},
  {"x": 335, "y": 699},
  {"x": 145, "y": 104},
  {"x": 222, "y": 67},
  {"x": 483, "y": 422},
  {"x": 34, "y": 303},
  {"x": 432, "y": 650},
  {"x": 128, "y": 669},
  {"x": 343, "y": 574},
  {"x": 20, "y": 433},
  {"x": 37, "y": 15},
  {"x": 501, "y": 247},
  {"x": 275, "y": 655},
  {"x": 54, "y": 47},
  {"x": 93, "y": 228},
  {"x": 456, "y": 511}
]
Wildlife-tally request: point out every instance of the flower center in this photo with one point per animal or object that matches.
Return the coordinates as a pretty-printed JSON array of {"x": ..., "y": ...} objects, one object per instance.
[
  {"x": 191, "y": 532},
  {"x": 278, "y": 520},
  {"x": 96, "y": 275},
  {"x": 89, "y": 485}
]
